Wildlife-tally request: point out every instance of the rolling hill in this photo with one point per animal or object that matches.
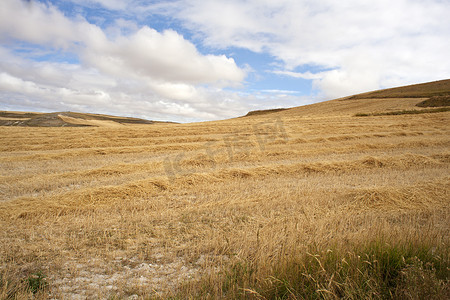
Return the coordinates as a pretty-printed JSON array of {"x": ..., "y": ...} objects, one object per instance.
[
  {"x": 66, "y": 119},
  {"x": 388, "y": 100},
  {"x": 432, "y": 94}
]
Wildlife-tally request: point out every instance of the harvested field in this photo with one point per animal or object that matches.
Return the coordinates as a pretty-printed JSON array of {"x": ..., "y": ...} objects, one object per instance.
[{"x": 308, "y": 202}]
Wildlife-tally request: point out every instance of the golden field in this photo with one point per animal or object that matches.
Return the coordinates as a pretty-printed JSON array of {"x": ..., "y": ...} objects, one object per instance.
[{"x": 306, "y": 203}]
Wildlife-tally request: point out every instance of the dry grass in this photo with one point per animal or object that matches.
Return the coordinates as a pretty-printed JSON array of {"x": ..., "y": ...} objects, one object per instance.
[{"x": 292, "y": 205}]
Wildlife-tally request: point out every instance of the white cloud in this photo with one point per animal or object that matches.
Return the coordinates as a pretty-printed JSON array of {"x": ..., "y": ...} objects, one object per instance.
[
  {"x": 361, "y": 45},
  {"x": 343, "y": 47},
  {"x": 45, "y": 86},
  {"x": 110, "y": 4},
  {"x": 142, "y": 72},
  {"x": 61, "y": 86},
  {"x": 303, "y": 75},
  {"x": 163, "y": 56}
]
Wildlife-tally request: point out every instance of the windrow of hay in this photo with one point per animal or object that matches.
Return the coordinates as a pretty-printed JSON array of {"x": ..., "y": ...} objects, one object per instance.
[
  {"x": 421, "y": 197},
  {"x": 91, "y": 197},
  {"x": 80, "y": 201}
]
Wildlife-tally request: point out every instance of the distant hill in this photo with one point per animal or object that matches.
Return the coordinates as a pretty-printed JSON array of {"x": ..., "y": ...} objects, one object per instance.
[
  {"x": 66, "y": 119},
  {"x": 411, "y": 97}
]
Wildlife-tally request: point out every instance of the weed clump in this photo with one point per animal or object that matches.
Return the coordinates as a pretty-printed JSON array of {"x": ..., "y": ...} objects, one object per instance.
[
  {"x": 14, "y": 286},
  {"x": 36, "y": 282}
]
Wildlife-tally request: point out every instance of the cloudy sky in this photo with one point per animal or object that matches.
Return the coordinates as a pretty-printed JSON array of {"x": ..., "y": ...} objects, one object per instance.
[{"x": 195, "y": 60}]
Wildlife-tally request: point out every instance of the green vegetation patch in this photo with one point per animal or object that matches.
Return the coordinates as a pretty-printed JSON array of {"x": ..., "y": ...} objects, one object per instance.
[
  {"x": 436, "y": 101},
  {"x": 37, "y": 282},
  {"x": 405, "y": 112},
  {"x": 13, "y": 285},
  {"x": 377, "y": 270}
]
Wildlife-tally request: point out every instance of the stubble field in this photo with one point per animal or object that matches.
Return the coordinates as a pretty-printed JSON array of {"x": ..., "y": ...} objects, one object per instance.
[{"x": 311, "y": 202}]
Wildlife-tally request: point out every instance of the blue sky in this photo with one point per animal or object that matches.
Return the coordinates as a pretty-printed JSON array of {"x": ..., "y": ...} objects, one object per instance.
[{"x": 197, "y": 60}]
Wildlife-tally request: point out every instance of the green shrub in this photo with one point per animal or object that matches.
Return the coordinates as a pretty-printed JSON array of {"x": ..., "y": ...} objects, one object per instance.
[{"x": 36, "y": 282}]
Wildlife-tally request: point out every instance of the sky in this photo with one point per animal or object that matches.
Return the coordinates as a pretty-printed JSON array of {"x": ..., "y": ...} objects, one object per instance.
[{"x": 201, "y": 60}]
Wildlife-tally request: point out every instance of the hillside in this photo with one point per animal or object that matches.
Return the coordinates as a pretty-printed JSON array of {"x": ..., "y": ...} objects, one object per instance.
[
  {"x": 311, "y": 202},
  {"x": 422, "y": 90},
  {"x": 65, "y": 119},
  {"x": 388, "y": 100}
]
